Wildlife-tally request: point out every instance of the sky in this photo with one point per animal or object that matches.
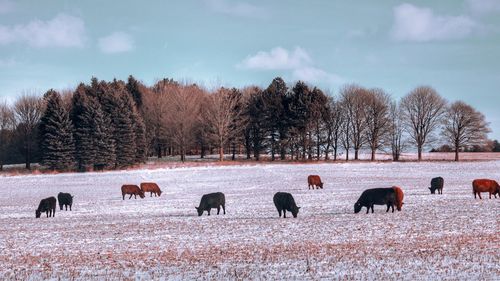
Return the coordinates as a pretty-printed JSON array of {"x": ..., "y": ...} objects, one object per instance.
[{"x": 450, "y": 45}]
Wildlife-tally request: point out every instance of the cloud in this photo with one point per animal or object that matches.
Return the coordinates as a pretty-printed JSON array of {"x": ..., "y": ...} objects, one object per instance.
[
  {"x": 298, "y": 62},
  {"x": 277, "y": 59},
  {"x": 316, "y": 75},
  {"x": 6, "y": 6},
  {"x": 234, "y": 8},
  {"x": 412, "y": 23},
  {"x": 117, "y": 42},
  {"x": 483, "y": 6},
  {"x": 61, "y": 31}
]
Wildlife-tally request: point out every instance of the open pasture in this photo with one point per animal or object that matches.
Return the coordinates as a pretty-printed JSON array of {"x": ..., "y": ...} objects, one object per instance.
[{"x": 450, "y": 236}]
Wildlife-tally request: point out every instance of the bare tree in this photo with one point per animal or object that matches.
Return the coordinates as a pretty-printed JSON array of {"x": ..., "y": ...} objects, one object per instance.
[
  {"x": 396, "y": 131},
  {"x": 377, "y": 119},
  {"x": 345, "y": 129},
  {"x": 7, "y": 124},
  {"x": 28, "y": 110},
  {"x": 220, "y": 113},
  {"x": 155, "y": 107},
  {"x": 354, "y": 100},
  {"x": 463, "y": 125},
  {"x": 183, "y": 115},
  {"x": 422, "y": 110},
  {"x": 333, "y": 124}
]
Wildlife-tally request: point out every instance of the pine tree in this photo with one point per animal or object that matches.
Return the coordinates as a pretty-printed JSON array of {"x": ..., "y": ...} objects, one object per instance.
[
  {"x": 57, "y": 145},
  {"x": 83, "y": 123},
  {"x": 114, "y": 101},
  {"x": 94, "y": 142}
]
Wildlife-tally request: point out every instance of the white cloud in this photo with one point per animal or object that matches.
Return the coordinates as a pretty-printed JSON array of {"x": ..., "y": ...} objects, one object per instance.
[
  {"x": 412, "y": 23},
  {"x": 6, "y": 6},
  {"x": 484, "y": 6},
  {"x": 117, "y": 42},
  {"x": 316, "y": 75},
  {"x": 277, "y": 59},
  {"x": 235, "y": 8},
  {"x": 61, "y": 31},
  {"x": 298, "y": 62}
]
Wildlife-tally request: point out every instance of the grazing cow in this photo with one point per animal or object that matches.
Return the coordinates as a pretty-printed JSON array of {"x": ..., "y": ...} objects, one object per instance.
[
  {"x": 485, "y": 185},
  {"x": 211, "y": 201},
  {"x": 47, "y": 205},
  {"x": 151, "y": 187},
  {"x": 437, "y": 183},
  {"x": 376, "y": 196},
  {"x": 399, "y": 197},
  {"x": 314, "y": 181},
  {"x": 284, "y": 202},
  {"x": 132, "y": 189},
  {"x": 65, "y": 199}
]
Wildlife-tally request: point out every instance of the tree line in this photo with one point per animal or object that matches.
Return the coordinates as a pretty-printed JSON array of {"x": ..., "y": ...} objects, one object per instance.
[{"x": 117, "y": 124}]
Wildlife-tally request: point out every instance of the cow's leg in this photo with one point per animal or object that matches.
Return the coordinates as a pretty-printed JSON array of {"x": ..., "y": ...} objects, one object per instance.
[
  {"x": 54, "y": 212},
  {"x": 209, "y": 212},
  {"x": 367, "y": 209},
  {"x": 279, "y": 212},
  {"x": 224, "y": 208},
  {"x": 218, "y": 210},
  {"x": 70, "y": 207},
  {"x": 392, "y": 206},
  {"x": 284, "y": 213},
  {"x": 372, "y": 208},
  {"x": 61, "y": 206},
  {"x": 123, "y": 196},
  {"x": 388, "y": 207},
  {"x": 479, "y": 194},
  {"x": 130, "y": 196}
]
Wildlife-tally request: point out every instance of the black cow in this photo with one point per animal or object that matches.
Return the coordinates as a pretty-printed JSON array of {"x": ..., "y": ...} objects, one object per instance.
[
  {"x": 284, "y": 202},
  {"x": 376, "y": 196},
  {"x": 437, "y": 183},
  {"x": 65, "y": 199},
  {"x": 211, "y": 201},
  {"x": 47, "y": 205}
]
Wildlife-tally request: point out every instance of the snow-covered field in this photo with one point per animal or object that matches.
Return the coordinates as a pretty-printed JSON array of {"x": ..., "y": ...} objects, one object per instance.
[{"x": 446, "y": 237}]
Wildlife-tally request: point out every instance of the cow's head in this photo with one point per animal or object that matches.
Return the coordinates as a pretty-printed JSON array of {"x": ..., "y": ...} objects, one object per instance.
[
  {"x": 295, "y": 211},
  {"x": 200, "y": 211},
  {"x": 433, "y": 190},
  {"x": 320, "y": 185},
  {"x": 399, "y": 206},
  {"x": 141, "y": 193},
  {"x": 159, "y": 192},
  {"x": 37, "y": 214},
  {"x": 357, "y": 207}
]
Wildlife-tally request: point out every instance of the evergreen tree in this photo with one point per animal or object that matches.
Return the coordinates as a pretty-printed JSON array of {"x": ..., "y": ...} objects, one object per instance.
[
  {"x": 57, "y": 145},
  {"x": 134, "y": 87},
  {"x": 115, "y": 103},
  {"x": 83, "y": 123},
  {"x": 93, "y": 138}
]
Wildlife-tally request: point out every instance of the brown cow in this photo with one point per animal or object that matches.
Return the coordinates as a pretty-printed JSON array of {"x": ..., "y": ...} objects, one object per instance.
[
  {"x": 132, "y": 190},
  {"x": 314, "y": 181},
  {"x": 399, "y": 197},
  {"x": 151, "y": 187},
  {"x": 485, "y": 185}
]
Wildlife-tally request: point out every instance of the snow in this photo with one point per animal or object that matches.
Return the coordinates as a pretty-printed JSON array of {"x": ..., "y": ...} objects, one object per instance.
[{"x": 449, "y": 237}]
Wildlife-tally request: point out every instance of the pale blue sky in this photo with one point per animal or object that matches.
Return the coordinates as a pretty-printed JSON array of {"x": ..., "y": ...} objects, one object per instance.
[{"x": 450, "y": 45}]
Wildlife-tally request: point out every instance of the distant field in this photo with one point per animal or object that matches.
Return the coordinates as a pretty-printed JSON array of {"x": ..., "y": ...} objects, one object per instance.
[{"x": 435, "y": 237}]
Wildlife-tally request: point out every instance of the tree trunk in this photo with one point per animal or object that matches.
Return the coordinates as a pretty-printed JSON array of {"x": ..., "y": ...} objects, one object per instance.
[
  {"x": 373, "y": 155},
  {"x": 356, "y": 151},
  {"x": 456, "y": 154},
  {"x": 419, "y": 148},
  {"x": 347, "y": 155},
  {"x": 221, "y": 153}
]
